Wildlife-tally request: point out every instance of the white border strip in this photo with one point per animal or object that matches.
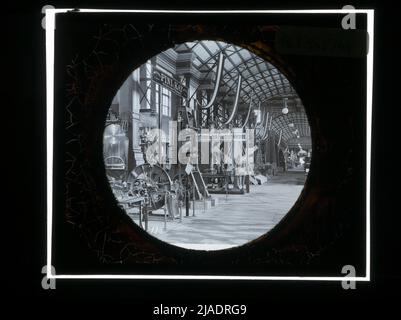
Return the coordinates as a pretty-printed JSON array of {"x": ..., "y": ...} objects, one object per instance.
[
  {"x": 369, "y": 102},
  {"x": 204, "y": 277},
  {"x": 342, "y": 11},
  {"x": 50, "y": 26}
]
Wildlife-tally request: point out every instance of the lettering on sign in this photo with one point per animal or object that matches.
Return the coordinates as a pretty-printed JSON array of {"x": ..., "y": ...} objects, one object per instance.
[{"x": 170, "y": 83}]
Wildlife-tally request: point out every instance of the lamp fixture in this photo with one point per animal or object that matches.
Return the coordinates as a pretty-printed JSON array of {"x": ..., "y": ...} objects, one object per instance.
[{"x": 285, "y": 109}]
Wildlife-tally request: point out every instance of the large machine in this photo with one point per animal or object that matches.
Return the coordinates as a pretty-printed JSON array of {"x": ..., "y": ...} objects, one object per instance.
[{"x": 150, "y": 191}]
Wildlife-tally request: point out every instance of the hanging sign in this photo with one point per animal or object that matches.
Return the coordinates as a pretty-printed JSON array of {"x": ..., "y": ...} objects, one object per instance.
[{"x": 170, "y": 83}]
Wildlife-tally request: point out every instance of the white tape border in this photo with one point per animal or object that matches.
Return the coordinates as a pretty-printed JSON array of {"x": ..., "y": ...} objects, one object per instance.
[{"x": 50, "y": 26}]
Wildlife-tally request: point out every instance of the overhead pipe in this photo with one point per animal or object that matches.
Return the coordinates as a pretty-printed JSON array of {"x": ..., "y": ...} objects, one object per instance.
[
  {"x": 249, "y": 112},
  {"x": 217, "y": 82},
  {"x": 235, "y": 102},
  {"x": 263, "y": 125},
  {"x": 269, "y": 128},
  {"x": 265, "y": 133},
  {"x": 262, "y": 119},
  {"x": 265, "y": 129},
  {"x": 279, "y": 140}
]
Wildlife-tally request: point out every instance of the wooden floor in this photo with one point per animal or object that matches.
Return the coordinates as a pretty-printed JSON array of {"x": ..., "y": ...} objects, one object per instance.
[{"x": 237, "y": 219}]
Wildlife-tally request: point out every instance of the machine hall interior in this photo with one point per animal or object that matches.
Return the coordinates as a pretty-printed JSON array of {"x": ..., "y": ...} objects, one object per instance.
[{"x": 210, "y": 203}]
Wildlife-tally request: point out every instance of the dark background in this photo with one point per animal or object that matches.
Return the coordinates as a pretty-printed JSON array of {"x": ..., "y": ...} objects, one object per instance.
[
  {"x": 322, "y": 232},
  {"x": 25, "y": 231}
]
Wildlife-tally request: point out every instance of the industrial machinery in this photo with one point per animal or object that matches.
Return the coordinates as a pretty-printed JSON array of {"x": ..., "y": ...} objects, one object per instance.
[
  {"x": 152, "y": 182},
  {"x": 147, "y": 189}
]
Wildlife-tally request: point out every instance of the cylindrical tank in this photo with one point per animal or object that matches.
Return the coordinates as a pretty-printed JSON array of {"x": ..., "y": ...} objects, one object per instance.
[{"x": 115, "y": 147}]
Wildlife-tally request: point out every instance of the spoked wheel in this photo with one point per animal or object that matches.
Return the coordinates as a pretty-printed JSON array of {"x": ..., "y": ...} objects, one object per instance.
[{"x": 152, "y": 182}]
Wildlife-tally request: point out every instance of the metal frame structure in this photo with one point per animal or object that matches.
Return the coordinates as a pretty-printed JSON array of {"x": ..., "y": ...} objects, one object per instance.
[
  {"x": 261, "y": 82},
  {"x": 229, "y": 81}
]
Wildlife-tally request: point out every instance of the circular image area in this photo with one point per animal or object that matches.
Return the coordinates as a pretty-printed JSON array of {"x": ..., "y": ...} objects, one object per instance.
[{"x": 206, "y": 146}]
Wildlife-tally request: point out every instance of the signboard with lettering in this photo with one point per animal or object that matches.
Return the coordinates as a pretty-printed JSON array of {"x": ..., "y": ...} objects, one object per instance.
[{"x": 171, "y": 84}]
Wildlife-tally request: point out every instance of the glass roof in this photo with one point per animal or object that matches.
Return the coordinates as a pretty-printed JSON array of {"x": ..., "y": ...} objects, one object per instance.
[
  {"x": 261, "y": 80},
  {"x": 293, "y": 126}
]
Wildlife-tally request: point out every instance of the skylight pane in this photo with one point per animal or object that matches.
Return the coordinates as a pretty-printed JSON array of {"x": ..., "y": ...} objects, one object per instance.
[
  {"x": 201, "y": 53},
  {"x": 212, "y": 46}
]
